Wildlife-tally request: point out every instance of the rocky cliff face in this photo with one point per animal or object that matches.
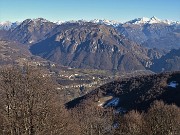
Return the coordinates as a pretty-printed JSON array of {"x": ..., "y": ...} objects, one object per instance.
[{"x": 168, "y": 62}]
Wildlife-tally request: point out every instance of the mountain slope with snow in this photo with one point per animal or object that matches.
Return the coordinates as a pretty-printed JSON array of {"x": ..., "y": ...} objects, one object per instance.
[
  {"x": 106, "y": 22},
  {"x": 152, "y": 32},
  {"x": 8, "y": 25},
  {"x": 152, "y": 20}
]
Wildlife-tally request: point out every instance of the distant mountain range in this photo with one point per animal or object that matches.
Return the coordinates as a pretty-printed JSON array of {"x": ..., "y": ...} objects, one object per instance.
[
  {"x": 138, "y": 44},
  {"x": 144, "y": 20},
  {"x": 149, "y": 32}
]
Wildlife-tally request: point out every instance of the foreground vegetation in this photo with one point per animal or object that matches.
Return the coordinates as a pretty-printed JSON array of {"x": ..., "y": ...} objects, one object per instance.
[{"x": 30, "y": 105}]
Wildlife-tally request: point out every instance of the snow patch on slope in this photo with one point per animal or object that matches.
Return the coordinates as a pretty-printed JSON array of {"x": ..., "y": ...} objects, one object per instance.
[
  {"x": 112, "y": 103},
  {"x": 173, "y": 84}
]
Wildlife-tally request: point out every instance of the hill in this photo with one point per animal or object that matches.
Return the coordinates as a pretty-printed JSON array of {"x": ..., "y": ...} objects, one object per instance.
[{"x": 134, "y": 93}]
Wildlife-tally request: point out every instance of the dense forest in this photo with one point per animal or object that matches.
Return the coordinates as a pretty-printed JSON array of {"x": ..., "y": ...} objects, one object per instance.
[{"x": 30, "y": 105}]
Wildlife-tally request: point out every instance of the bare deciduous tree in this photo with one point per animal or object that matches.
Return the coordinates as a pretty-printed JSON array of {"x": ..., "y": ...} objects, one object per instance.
[
  {"x": 131, "y": 124},
  {"x": 92, "y": 120},
  {"x": 26, "y": 96},
  {"x": 163, "y": 119}
]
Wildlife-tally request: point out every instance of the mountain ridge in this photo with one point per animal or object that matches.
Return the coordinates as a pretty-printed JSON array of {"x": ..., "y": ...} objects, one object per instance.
[{"x": 6, "y": 25}]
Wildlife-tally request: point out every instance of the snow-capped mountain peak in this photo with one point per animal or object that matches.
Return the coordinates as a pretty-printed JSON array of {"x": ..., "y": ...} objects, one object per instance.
[
  {"x": 98, "y": 21},
  {"x": 107, "y": 22},
  {"x": 152, "y": 20},
  {"x": 59, "y": 22},
  {"x": 40, "y": 19},
  {"x": 8, "y": 25},
  {"x": 139, "y": 20}
]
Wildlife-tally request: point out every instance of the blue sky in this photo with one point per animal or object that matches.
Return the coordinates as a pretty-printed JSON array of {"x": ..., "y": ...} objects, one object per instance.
[{"x": 119, "y": 10}]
